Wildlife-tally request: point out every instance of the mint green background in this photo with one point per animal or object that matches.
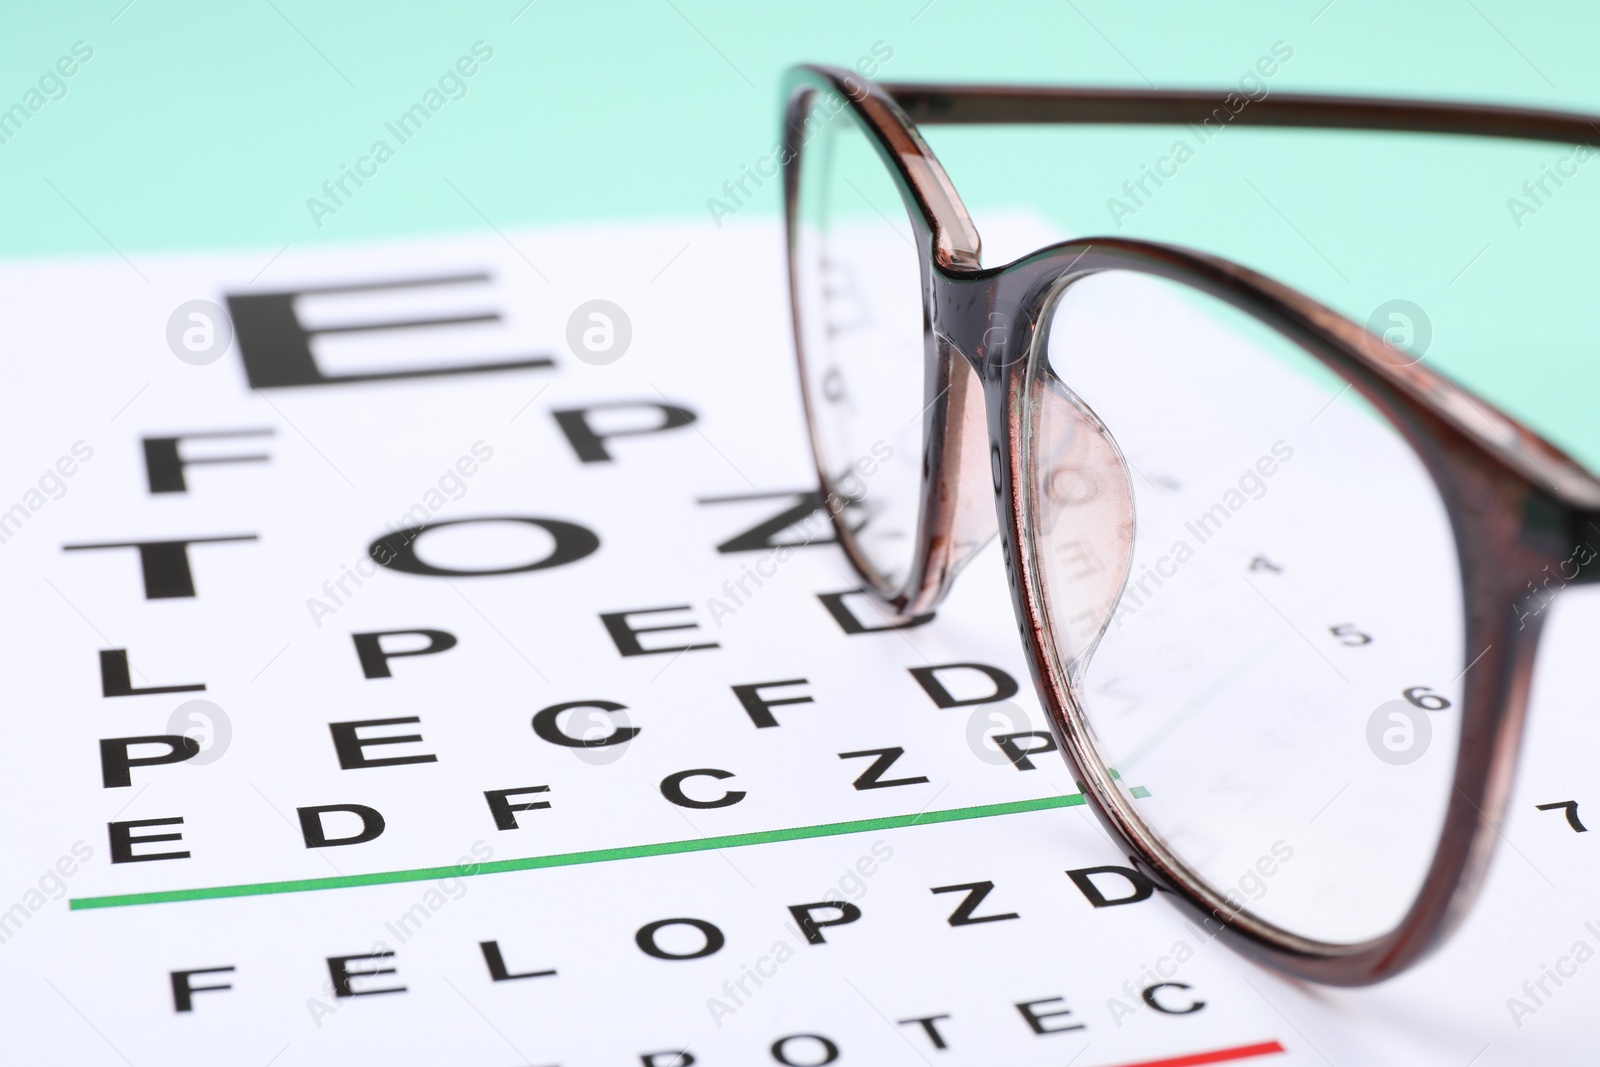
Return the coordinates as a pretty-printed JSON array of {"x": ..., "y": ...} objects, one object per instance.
[{"x": 208, "y": 125}]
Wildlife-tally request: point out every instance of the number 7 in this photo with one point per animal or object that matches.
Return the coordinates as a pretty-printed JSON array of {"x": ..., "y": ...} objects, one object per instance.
[{"x": 1571, "y": 807}]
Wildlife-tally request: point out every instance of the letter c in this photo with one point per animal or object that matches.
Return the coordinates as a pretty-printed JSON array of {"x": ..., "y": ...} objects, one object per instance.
[
  {"x": 1149, "y": 995},
  {"x": 545, "y": 725},
  {"x": 672, "y": 789}
]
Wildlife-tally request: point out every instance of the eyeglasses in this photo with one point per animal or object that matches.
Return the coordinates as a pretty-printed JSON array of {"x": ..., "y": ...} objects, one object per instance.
[{"x": 1271, "y": 573}]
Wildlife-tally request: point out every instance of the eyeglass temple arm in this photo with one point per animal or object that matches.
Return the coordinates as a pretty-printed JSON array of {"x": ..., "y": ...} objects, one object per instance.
[{"x": 930, "y": 104}]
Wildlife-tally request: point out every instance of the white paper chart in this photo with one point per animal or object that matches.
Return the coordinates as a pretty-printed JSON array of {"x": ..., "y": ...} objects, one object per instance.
[{"x": 398, "y": 678}]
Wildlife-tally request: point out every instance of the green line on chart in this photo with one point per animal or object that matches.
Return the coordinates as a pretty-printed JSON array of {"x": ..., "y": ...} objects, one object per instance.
[{"x": 568, "y": 859}]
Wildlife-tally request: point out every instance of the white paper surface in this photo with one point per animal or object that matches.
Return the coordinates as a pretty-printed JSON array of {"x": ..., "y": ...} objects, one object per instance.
[{"x": 88, "y": 361}]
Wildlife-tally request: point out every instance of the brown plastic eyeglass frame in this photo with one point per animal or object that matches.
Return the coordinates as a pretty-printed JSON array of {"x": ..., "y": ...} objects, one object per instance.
[{"x": 1516, "y": 503}]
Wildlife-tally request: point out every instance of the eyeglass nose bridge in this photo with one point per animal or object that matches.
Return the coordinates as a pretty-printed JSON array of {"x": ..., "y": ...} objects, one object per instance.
[{"x": 1032, "y": 456}]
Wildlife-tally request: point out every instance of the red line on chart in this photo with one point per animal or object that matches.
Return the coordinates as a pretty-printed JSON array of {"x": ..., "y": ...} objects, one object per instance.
[{"x": 1224, "y": 1055}]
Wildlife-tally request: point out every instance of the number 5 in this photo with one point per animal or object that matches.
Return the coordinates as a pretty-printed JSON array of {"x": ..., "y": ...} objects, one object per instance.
[{"x": 1349, "y": 636}]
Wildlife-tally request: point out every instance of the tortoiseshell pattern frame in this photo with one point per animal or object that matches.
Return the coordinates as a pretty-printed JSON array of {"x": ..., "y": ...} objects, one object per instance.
[{"x": 1516, "y": 504}]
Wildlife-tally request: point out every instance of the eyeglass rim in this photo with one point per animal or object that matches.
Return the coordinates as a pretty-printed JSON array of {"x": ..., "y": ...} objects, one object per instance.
[
  {"x": 1466, "y": 475},
  {"x": 949, "y": 246}
]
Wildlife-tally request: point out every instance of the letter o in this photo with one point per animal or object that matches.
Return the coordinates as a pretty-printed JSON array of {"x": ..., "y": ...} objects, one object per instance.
[
  {"x": 780, "y": 1050},
  {"x": 672, "y": 789},
  {"x": 646, "y": 940},
  {"x": 572, "y": 543}
]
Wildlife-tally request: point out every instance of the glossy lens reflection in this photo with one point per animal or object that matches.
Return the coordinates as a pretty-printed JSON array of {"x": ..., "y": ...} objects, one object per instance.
[{"x": 1272, "y": 667}]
